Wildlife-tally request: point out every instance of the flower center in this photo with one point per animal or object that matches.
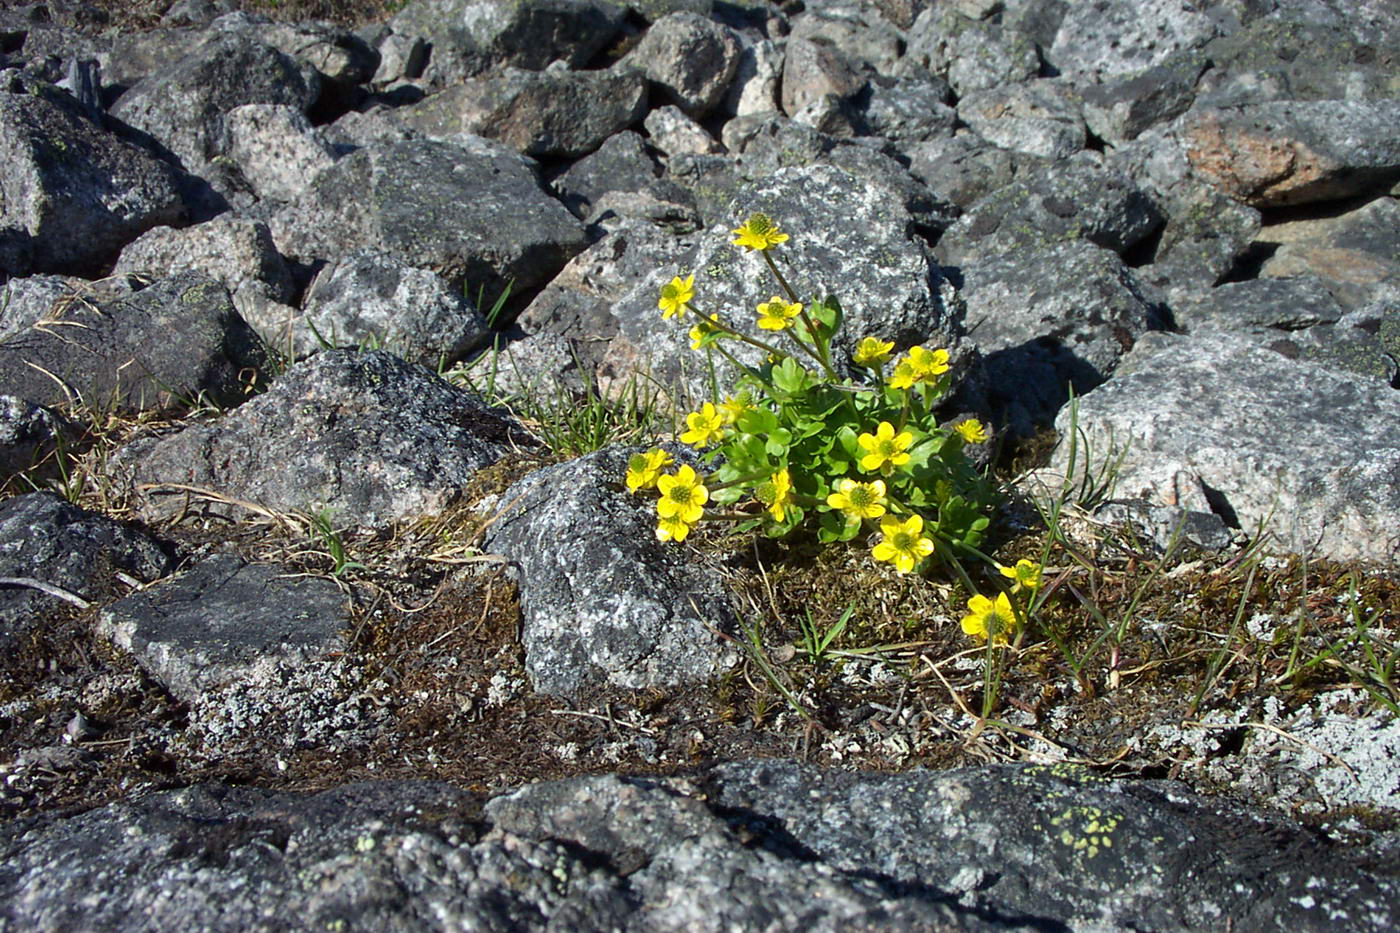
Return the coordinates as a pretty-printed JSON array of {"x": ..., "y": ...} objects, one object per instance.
[
  {"x": 903, "y": 541},
  {"x": 680, "y": 494}
]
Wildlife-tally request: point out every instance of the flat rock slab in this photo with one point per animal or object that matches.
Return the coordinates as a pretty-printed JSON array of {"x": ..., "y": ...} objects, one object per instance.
[
  {"x": 213, "y": 624},
  {"x": 367, "y": 436},
  {"x": 605, "y": 603},
  {"x": 62, "y": 174},
  {"x": 473, "y": 212},
  {"x": 771, "y": 845},
  {"x": 163, "y": 348},
  {"x": 46, "y": 540},
  {"x": 1304, "y": 452}
]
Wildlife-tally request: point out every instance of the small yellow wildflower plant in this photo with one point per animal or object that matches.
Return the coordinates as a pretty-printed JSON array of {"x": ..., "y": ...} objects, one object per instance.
[{"x": 854, "y": 443}]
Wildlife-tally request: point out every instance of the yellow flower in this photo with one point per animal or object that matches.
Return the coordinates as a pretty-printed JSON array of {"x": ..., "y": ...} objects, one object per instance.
[
  {"x": 671, "y": 529},
  {"x": 702, "y": 330},
  {"x": 777, "y": 314},
  {"x": 972, "y": 431},
  {"x": 733, "y": 406},
  {"x": 919, "y": 365},
  {"x": 863, "y": 500},
  {"x": 884, "y": 450},
  {"x": 675, "y": 295},
  {"x": 1026, "y": 573},
  {"x": 872, "y": 351},
  {"x": 781, "y": 494},
  {"x": 706, "y": 426},
  {"x": 987, "y": 618},
  {"x": 644, "y": 469},
  {"x": 904, "y": 544},
  {"x": 759, "y": 232},
  {"x": 683, "y": 496}
]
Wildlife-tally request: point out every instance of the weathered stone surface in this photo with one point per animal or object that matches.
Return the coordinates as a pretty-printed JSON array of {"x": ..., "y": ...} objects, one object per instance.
[
  {"x": 26, "y": 300},
  {"x": 1118, "y": 37},
  {"x": 1166, "y": 528},
  {"x": 214, "y": 623},
  {"x": 674, "y": 133},
  {"x": 29, "y": 433},
  {"x": 850, "y": 238},
  {"x": 162, "y": 348},
  {"x": 1050, "y": 320},
  {"x": 471, "y": 212},
  {"x": 689, "y": 59},
  {"x": 1039, "y": 117},
  {"x": 605, "y": 603},
  {"x": 275, "y": 149},
  {"x": 370, "y": 298},
  {"x": 1269, "y": 309},
  {"x": 965, "y": 168},
  {"x": 1214, "y": 422},
  {"x": 757, "y": 78},
  {"x": 366, "y": 435},
  {"x": 1057, "y": 203},
  {"x": 1355, "y": 251},
  {"x": 749, "y": 845},
  {"x": 60, "y": 174},
  {"x": 185, "y": 104},
  {"x": 468, "y": 37},
  {"x": 905, "y": 110},
  {"x": 45, "y": 539},
  {"x": 1120, "y": 109},
  {"x": 622, "y": 163},
  {"x": 857, "y": 28},
  {"x": 970, "y": 53},
  {"x": 1365, "y": 341},
  {"x": 1295, "y": 152},
  {"x": 549, "y": 113},
  {"x": 815, "y": 70}
]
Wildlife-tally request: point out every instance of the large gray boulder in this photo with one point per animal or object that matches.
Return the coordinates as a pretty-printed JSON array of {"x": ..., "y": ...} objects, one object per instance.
[
  {"x": 1115, "y": 37},
  {"x": 46, "y": 540},
  {"x": 474, "y": 213},
  {"x": 61, "y": 174},
  {"x": 1357, "y": 252},
  {"x": 1041, "y": 118},
  {"x": 171, "y": 346},
  {"x": 689, "y": 59},
  {"x": 970, "y": 53},
  {"x": 367, "y": 436},
  {"x": 604, "y": 603},
  {"x": 1302, "y": 452},
  {"x": 550, "y": 113}
]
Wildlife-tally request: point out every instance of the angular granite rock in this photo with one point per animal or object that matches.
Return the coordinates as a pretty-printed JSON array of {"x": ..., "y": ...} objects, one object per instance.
[
  {"x": 1115, "y": 37},
  {"x": 162, "y": 348},
  {"x": 472, "y": 212},
  {"x": 604, "y": 602},
  {"x": 366, "y": 435},
  {"x": 212, "y": 624},
  {"x": 689, "y": 59},
  {"x": 275, "y": 149},
  {"x": 1302, "y": 452},
  {"x": 1356, "y": 251},
  {"x": 73, "y": 195},
  {"x": 1041, "y": 118},
  {"x": 29, "y": 433},
  {"x": 972, "y": 54},
  {"x": 45, "y": 539}
]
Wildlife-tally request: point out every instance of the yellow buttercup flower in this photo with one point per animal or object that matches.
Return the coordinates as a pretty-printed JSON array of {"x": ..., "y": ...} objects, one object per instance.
[
  {"x": 733, "y": 406},
  {"x": 644, "y": 469},
  {"x": 671, "y": 529},
  {"x": 862, "y": 500},
  {"x": 1026, "y": 574},
  {"x": 675, "y": 295},
  {"x": 919, "y": 365},
  {"x": 904, "y": 544},
  {"x": 884, "y": 450},
  {"x": 782, "y": 498},
  {"x": 777, "y": 314},
  {"x": 972, "y": 431},
  {"x": 683, "y": 496},
  {"x": 872, "y": 351},
  {"x": 759, "y": 232},
  {"x": 706, "y": 426},
  {"x": 702, "y": 330},
  {"x": 988, "y": 619}
]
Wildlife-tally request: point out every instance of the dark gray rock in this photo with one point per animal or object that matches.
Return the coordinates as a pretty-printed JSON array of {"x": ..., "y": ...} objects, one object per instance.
[
  {"x": 1121, "y": 108},
  {"x": 61, "y": 174},
  {"x": 1049, "y": 321},
  {"x": 1116, "y": 37},
  {"x": 467, "y": 37},
  {"x": 369, "y": 298},
  {"x": 24, "y": 301},
  {"x": 166, "y": 347},
  {"x": 1041, "y": 118},
  {"x": 1269, "y": 309},
  {"x": 184, "y": 104},
  {"x": 689, "y": 59},
  {"x": 965, "y": 168},
  {"x": 1356, "y": 251},
  {"x": 1365, "y": 342},
  {"x": 603, "y": 602},
  {"x": 44, "y": 539},
  {"x": 970, "y": 53},
  {"x": 1216, "y": 423},
  {"x": 1057, "y": 203},
  {"x": 29, "y": 433},
  {"x": 814, "y": 70},
  {"x": 1281, "y": 153},
  {"x": 366, "y": 435},
  {"x": 905, "y": 110},
  {"x": 1166, "y": 529},
  {"x": 212, "y": 624},
  {"x": 865, "y": 38},
  {"x": 622, "y": 164},
  {"x": 135, "y": 54},
  {"x": 473, "y": 213},
  {"x": 549, "y": 113}
]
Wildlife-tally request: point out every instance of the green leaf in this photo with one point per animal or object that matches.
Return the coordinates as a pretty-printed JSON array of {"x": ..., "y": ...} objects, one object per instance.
[{"x": 757, "y": 421}]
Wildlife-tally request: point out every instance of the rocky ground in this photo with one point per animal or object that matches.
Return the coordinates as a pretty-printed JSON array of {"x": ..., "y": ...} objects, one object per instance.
[{"x": 323, "y": 348}]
